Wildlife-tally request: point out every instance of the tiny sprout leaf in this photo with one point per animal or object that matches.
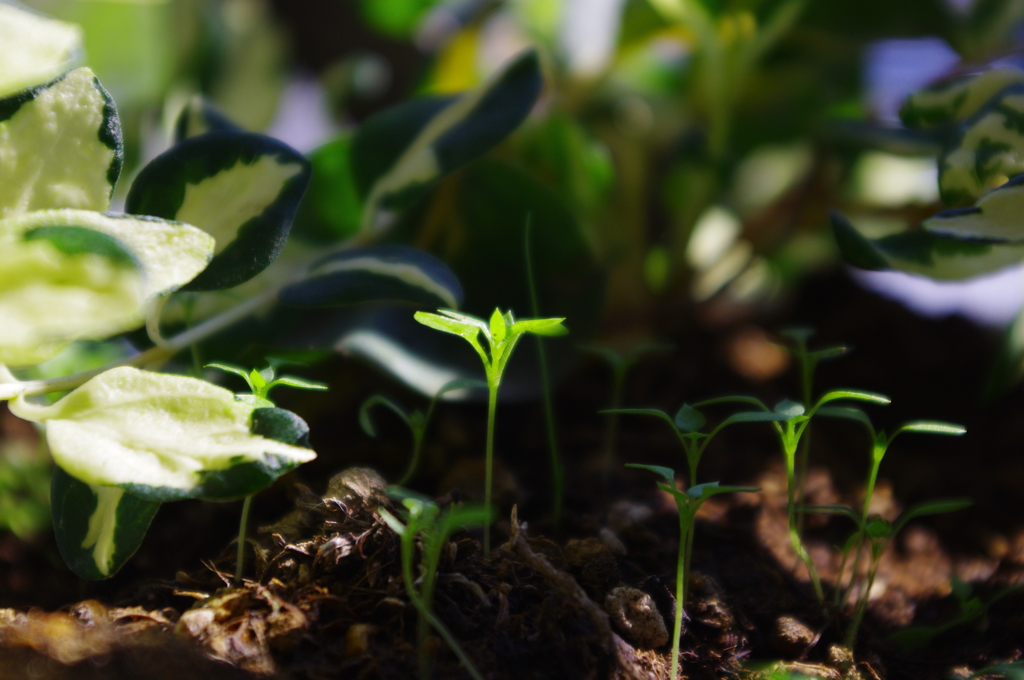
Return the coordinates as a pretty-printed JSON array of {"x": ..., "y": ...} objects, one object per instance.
[
  {"x": 709, "y": 489},
  {"x": 254, "y": 400},
  {"x": 935, "y": 507},
  {"x": 298, "y": 383},
  {"x": 831, "y": 510},
  {"x": 830, "y": 352},
  {"x": 933, "y": 427},
  {"x": 365, "y": 421},
  {"x": 497, "y": 326},
  {"x": 547, "y": 327},
  {"x": 879, "y": 527},
  {"x": 391, "y": 521},
  {"x": 98, "y": 528},
  {"x": 799, "y": 334},
  {"x": 258, "y": 381},
  {"x": 237, "y": 370},
  {"x": 849, "y": 413},
  {"x": 789, "y": 408},
  {"x": 960, "y": 588},
  {"x": 688, "y": 419},
  {"x": 858, "y": 395},
  {"x": 756, "y": 417},
  {"x": 668, "y": 473}
]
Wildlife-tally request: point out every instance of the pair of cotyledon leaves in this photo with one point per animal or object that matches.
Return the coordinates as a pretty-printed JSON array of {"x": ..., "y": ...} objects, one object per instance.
[
  {"x": 980, "y": 119},
  {"x": 78, "y": 273}
]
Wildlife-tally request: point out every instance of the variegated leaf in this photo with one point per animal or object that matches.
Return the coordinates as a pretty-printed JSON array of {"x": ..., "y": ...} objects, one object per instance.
[
  {"x": 198, "y": 117},
  {"x": 935, "y": 255},
  {"x": 999, "y": 214},
  {"x": 381, "y": 273},
  {"x": 98, "y": 528},
  {"x": 36, "y": 48},
  {"x": 987, "y": 151},
  {"x": 61, "y": 146},
  {"x": 241, "y": 188},
  {"x": 160, "y": 437},
  {"x": 955, "y": 99},
  {"x": 463, "y": 130}
]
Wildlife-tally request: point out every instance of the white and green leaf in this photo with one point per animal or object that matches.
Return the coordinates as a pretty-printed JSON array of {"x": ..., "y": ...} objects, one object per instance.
[
  {"x": 455, "y": 134},
  {"x": 380, "y": 273},
  {"x": 161, "y": 437},
  {"x": 61, "y": 146},
  {"x": 987, "y": 151},
  {"x": 924, "y": 252},
  {"x": 98, "y": 528},
  {"x": 955, "y": 99},
  {"x": 198, "y": 117},
  {"x": 997, "y": 216},
  {"x": 241, "y": 188},
  {"x": 36, "y": 48}
]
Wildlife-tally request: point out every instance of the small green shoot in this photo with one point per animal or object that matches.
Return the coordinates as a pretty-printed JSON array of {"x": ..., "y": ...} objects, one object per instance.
[
  {"x": 620, "y": 364},
  {"x": 790, "y": 430},
  {"x": 687, "y": 424},
  {"x": 260, "y": 383},
  {"x": 433, "y": 527},
  {"x": 877, "y": 533},
  {"x": 971, "y": 609},
  {"x": 689, "y": 503},
  {"x": 417, "y": 420},
  {"x": 501, "y": 333}
]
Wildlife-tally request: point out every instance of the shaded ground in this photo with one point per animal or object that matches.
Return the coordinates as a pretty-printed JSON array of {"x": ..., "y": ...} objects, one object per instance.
[{"x": 327, "y": 601}]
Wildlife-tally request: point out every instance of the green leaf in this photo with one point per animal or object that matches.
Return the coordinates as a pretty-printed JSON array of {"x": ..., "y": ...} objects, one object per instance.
[
  {"x": 98, "y": 528},
  {"x": 757, "y": 417},
  {"x": 62, "y": 146},
  {"x": 547, "y": 327},
  {"x": 935, "y": 507},
  {"x": 380, "y": 273},
  {"x": 199, "y": 117},
  {"x": 241, "y": 188},
  {"x": 462, "y": 131},
  {"x": 668, "y": 473},
  {"x": 364, "y": 413},
  {"x": 858, "y": 395},
  {"x": 237, "y": 370},
  {"x": 831, "y": 510},
  {"x": 849, "y": 413},
  {"x": 298, "y": 383},
  {"x": 36, "y": 48},
  {"x": 995, "y": 217},
  {"x": 987, "y": 149},
  {"x": 332, "y": 207},
  {"x": 790, "y": 408},
  {"x": 933, "y": 427},
  {"x": 170, "y": 253},
  {"x": 689, "y": 420},
  {"x": 879, "y": 527},
  {"x": 955, "y": 99},
  {"x": 447, "y": 324},
  {"x": 155, "y": 435},
  {"x": 391, "y": 521},
  {"x": 254, "y": 400},
  {"x": 709, "y": 489},
  {"x": 497, "y": 326}
]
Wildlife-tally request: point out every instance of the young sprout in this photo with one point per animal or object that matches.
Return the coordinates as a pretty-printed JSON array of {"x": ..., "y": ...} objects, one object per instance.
[
  {"x": 808, "y": 361},
  {"x": 877, "y": 533},
  {"x": 790, "y": 428},
  {"x": 260, "y": 383},
  {"x": 880, "y": 443},
  {"x": 501, "y": 333},
  {"x": 417, "y": 421},
  {"x": 433, "y": 527},
  {"x": 688, "y": 502},
  {"x": 687, "y": 425},
  {"x": 620, "y": 364}
]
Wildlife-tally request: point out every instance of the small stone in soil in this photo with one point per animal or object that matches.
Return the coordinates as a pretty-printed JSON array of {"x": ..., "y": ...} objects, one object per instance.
[{"x": 635, "y": 615}]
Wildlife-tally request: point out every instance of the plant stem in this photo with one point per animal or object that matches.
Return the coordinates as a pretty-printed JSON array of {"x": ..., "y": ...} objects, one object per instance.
[
  {"x": 685, "y": 523},
  {"x": 243, "y": 527},
  {"x": 492, "y": 403},
  {"x": 612, "y": 429},
  {"x": 794, "y": 533},
  {"x": 417, "y": 446}
]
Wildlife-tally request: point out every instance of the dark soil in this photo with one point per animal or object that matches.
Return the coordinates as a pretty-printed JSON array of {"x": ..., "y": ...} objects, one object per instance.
[{"x": 326, "y": 598}]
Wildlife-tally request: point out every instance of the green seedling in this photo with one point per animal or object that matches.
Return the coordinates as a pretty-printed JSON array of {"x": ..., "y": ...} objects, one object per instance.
[
  {"x": 688, "y": 502},
  {"x": 433, "y": 527},
  {"x": 417, "y": 421},
  {"x": 808, "y": 361},
  {"x": 687, "y": 425},
  {"x": 877, "y": 534},
  {"x": 880, "y": 442},
  {"x": 260, "y": 383},
  {"x": 790, "y": 429},
  {"x": 620, "y": 364},
  {"x": 1013, "y": 670},
  {"x": 970, "y": 609},
  {"x": 501, "y": 334}
]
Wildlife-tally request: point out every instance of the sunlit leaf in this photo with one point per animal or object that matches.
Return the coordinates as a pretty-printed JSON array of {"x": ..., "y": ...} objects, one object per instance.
[
  {"x": 789, "y": 408},
  {"x": 955, "y": 99},
  {"x": 36, "y": 48},
  {"x": 157, "y": 436},
  {"x": 98, "y": 528},
  {"x": 995, "y": 216},
  {"x": 933, "y": 427},
  {"x": 198, "y": 117},
  {"x": 546, "y": 327},
  {"x": 241, "y": 188},
  {"x": 358, "y": 275},
  {"x": 62, "y": 146}
]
